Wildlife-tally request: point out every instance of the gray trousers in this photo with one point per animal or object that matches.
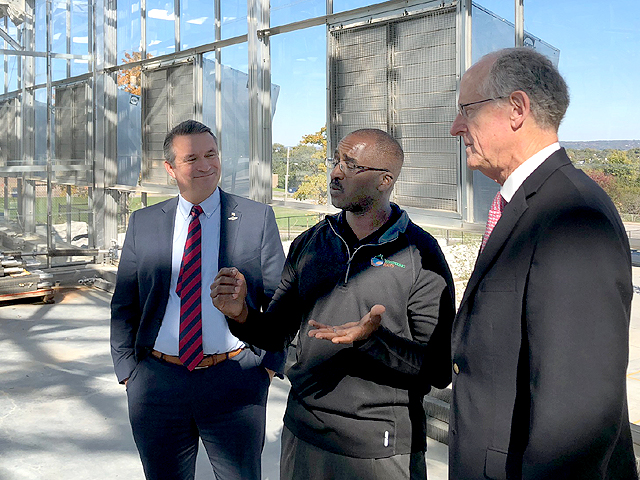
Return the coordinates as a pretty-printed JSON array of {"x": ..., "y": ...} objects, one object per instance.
[
  {"x": 171, "y": 409},
  {"x": 300, "y": 460}
]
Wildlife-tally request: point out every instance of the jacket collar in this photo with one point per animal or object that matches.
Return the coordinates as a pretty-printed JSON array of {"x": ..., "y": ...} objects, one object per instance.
[{"x": 399, "y": 227}]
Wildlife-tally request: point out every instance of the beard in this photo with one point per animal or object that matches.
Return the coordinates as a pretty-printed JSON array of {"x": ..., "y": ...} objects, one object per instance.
[{"x": 355, "y": 203}]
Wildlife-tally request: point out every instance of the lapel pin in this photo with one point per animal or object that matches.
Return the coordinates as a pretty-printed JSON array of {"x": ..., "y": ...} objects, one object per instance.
[{"x": 233, "y": 216}]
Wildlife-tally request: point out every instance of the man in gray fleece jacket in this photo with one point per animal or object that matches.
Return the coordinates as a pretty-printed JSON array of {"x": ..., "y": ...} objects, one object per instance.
[{"x": 372, "y": 297}]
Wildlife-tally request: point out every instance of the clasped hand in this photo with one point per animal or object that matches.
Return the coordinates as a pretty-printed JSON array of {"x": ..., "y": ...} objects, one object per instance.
[{"x": 228, "y": 293}]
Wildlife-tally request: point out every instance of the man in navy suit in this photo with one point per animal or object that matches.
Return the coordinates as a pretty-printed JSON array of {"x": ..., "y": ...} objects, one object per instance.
[
  {"x": 540, "y": 343},
  {"x": 220, "y": 397}
]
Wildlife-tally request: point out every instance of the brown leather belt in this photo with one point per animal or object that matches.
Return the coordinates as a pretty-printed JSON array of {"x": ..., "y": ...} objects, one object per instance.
[{"x": 207, "y": 361}]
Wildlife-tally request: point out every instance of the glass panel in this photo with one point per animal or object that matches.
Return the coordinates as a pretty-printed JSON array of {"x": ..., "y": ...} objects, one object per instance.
[
  {"x": 41, "y": 42},
  {"x": 129, "y": 127},
  {"x": 299, "y": 73},
  {"x": 59, "y": 26},
  {"x": 41, "y": 126},
  {"x": 197, "y": 23},
  {"x": 58, "y": 69},
  {"x": 79, "y": 36},
  {"x": 234, "y": 18},
  {"x": 289, "y": 11},
  {"x": 209, "y": 91},
  {"x": 160, "y": 27},
  {"x": 298, "y": 62},
  {"x": 344, "y": 5},
  {"x": 128, "y": 31},
  {"x": 234, "y": 138},
  {"x": 12, "y": 69},
  {"x": 506, "y": 10},
  {"x": 489, "y": 32}
]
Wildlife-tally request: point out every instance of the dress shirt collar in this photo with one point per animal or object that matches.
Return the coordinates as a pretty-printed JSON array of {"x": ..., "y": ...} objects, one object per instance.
[
  {"x": 209, "y": 206},
  {"x": 520, "y": 174}
]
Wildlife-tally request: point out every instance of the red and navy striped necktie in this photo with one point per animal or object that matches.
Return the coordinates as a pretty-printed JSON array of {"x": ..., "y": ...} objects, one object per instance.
[{"x": 189, "y": 291}]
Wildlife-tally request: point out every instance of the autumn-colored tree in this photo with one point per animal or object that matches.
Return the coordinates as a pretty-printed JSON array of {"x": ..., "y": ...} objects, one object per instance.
[
  {"x": 129, "y": 78},
  {"x": 319, "y": 138},
  {"x": 314, "y": 187}
]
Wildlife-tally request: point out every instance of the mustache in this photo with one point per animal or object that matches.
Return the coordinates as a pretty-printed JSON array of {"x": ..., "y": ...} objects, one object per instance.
[{"x": 335, "y": 183}]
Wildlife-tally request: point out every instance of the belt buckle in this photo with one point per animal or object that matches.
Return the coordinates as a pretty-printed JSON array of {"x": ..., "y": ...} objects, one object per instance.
[{"x": 199, "y": 367}]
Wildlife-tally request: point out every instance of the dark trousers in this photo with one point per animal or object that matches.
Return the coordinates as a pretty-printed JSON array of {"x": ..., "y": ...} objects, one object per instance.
[
  {"x": 300, "y": 460},
  {"x": 170, "y": 408}
]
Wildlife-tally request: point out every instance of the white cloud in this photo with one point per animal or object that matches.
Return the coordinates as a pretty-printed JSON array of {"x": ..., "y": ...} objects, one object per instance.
[
  {"x": 56, "y": 36},
  {"x": 160, "y": 14},
  {"x": 198, "y": 21},
  {"x": 135, "y": 7},
  {"x": 81, "y": 40},
  {"x": 154, "y": 42}
]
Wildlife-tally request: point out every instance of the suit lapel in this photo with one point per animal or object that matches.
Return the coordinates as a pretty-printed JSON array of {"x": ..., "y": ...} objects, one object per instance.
[
  {"x": 229, "y": 226},
  {"x": 165, "y": 230},
  {"x": 510, "y": 217}
]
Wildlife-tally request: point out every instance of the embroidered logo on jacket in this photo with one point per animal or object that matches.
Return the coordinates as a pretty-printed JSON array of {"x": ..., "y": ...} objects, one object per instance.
[{"x": 380, "y": 261}]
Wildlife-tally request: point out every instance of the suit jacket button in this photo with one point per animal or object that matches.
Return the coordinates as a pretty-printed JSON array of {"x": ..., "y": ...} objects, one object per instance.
[{"x": 456, "y": 369}]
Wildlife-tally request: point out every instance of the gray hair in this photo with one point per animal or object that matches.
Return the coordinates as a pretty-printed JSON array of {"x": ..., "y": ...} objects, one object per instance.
[
  {"x": 188, "y": 127},
  {"x": 533, "y": 73}
]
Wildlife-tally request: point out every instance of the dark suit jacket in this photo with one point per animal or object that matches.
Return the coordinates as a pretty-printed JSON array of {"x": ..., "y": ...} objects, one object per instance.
[
  {"x": 540, "y": 343},
  {"x": 249, "y": 240}
]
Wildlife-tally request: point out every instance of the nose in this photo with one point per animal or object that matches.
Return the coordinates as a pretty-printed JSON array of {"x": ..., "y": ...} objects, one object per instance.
[
  {"x": 204, "y": 164},
  {"x": 458, "y": 126},
  {"x": 337, "y": 171}
]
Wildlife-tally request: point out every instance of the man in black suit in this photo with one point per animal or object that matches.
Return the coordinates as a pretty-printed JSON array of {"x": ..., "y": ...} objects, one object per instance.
[
  {"x": 540, "y": 342},
  {"x": 199, "y": 381}
]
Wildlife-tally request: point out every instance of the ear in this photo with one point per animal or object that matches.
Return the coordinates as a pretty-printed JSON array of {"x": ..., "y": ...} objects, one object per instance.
[
  {"x": 386, "y": 182},
  {"x": 520, "y": 108},
  {"x": 169, "y": 169}
]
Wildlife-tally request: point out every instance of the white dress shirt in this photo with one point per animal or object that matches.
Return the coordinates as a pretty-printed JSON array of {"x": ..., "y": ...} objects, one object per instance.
[
  {"x": 520, "y": 174},
  {"x": 216, "y": 337}
]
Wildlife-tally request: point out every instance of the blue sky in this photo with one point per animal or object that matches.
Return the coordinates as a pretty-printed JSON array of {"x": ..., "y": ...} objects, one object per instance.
[{"x": 599, "y": 44}]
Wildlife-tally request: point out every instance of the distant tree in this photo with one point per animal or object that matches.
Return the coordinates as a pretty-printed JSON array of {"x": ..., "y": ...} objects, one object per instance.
[
  {"x": 314, "y": 187},
  {"x": 314, "y": 184},
  {"x": 619, "y": 165},
  {"x": 319, "y": 138},
  {"x": 129, "y": 78}
]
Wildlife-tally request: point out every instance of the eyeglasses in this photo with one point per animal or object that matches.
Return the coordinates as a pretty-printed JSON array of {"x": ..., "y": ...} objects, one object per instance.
[
  {"x": 350, "y": 169},
  {"x": 462, "y": 106}
]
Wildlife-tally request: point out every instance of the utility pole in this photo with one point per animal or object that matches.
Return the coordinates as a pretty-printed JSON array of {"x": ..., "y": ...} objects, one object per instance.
[{"x": 286, "y": 177}]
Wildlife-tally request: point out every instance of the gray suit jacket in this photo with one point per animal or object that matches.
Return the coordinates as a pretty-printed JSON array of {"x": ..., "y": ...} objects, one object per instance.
[
  {"x": 249, "y": 240},
  {"x": 540, "y": 342}
]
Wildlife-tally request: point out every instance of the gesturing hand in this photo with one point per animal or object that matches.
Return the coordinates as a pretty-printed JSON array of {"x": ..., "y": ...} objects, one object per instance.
[
  {"x": 228, "y": 293},
  {"x": 349, "y": 332}
]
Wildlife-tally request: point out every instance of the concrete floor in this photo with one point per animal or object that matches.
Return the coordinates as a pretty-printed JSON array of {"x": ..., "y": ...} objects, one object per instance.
[{"x": 62, "y": 413}]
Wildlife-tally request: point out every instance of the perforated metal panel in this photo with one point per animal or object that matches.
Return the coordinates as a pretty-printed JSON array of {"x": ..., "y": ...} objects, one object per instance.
[
  {"x": 71, "y": 120},
  {"x": 168, "y": 99},
  {"x": 8, "y": 132},
  {"x": 400, "y": 76}
]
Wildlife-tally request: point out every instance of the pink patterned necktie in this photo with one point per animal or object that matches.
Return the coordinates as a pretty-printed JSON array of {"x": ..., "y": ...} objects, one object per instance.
[
  {"x": 495, "y": 212},
  {"x": 189, "y": 291}
]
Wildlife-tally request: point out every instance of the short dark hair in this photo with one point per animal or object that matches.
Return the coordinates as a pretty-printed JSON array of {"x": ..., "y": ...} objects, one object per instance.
[
  {"x": 527, "y": 70},
  {"x": 188, "y": 127}
]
